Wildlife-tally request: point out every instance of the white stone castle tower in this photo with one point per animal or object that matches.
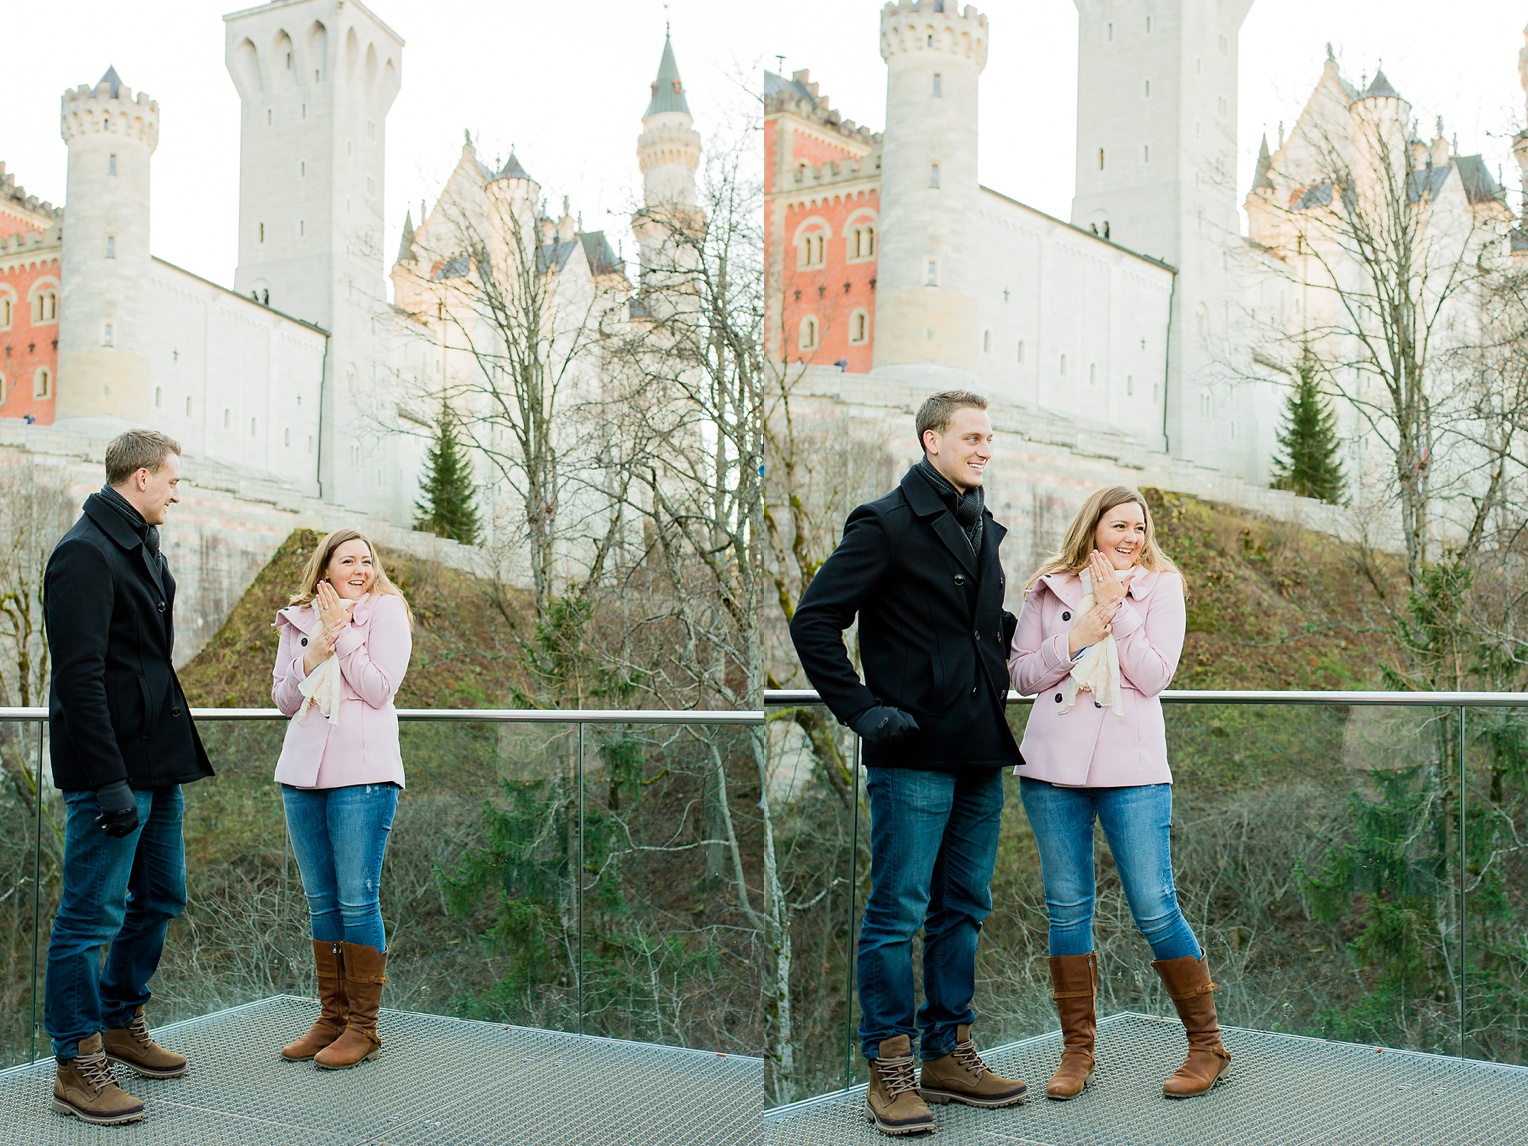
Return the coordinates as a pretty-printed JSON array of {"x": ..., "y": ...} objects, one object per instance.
[
  {"x": 925, "y": 309},
  {"x": 316, "y": 79},
  {"x": 103, "y": 335},
  {"x": 1156, "y": 173},
  {"x": 668, "y": 153}
]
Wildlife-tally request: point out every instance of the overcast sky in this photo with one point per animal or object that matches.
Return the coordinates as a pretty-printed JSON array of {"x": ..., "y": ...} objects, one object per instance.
[{"x": 566, "y": 85}]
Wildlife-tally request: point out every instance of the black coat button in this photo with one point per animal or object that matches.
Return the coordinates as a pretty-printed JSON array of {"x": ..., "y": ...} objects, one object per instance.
[
  {"x": 1097, "y": 705},
  {"x": 960, "y": 578},
  {"x": 973, "y": 690},
  {"x": 1058, "y": 698},
  {"x": 305, "y": 640},
  {"x": 174, "y": 712},
  {"x": 978, "y": 634},
  {"x": 161, "y": 606},
  {"x": 1065, "y": 616}
]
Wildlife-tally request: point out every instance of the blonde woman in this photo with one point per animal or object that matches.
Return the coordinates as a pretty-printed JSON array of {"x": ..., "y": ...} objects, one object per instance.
[
  {"x": 345, "y": 644},
  {"x": 1098, "y": 640}
]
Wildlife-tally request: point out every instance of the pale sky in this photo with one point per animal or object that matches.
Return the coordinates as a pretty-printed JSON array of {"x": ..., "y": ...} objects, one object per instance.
[{"x": 566, "y": 84}]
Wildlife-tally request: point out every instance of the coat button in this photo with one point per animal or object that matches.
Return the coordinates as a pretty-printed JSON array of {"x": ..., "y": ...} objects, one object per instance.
[
  {"x": 305, "y": 640},
  {"x": 1058, "y": 698},
  {"x": 1065, "y": 616},
  {"x": 978, "y": 634},
  {"x": 174, "y": 712},
  {"x": 161, "y": 606},
  {"x": 1097, "y": 705},
  {"x": 960, "y": 578},
  {"x": 973, "y": 690}
]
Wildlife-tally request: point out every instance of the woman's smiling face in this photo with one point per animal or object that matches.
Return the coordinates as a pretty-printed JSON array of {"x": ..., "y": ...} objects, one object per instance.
[
  {"x": 350, "y": 569},
  {"x": 1121, "y": 534}
]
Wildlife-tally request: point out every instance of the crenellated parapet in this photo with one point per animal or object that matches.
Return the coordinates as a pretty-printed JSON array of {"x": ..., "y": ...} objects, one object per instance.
[
  {"x": 24, "y": 242},
  {"x": 109, "y": 108},
  {"x": 801, "y": 97},
  {"x": 824, "y": 177},
  {"x": 921, "y": 26},
  {"x": 13, "y": 193}
]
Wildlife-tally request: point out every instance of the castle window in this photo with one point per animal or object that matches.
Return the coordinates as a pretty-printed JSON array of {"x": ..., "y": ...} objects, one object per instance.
[
  {"x": 1206, "y": 406},
  {"x": 106, "y": 123},
  {"x": 371, "y": 129},
  {"x": 262, "y": 232},
  {"x": 813, "y": 250},
  {"x": 1145, "y": 153},
  {"x": 315, "y": 75},
  {"x": 933, "y": 175},
  {"x": 1225, "y": 45},
  {"x": 1063, "y": 366},
  {"x": 986, "y": 342},
  {"x": 108, "y": 335},
  {"x": 158, "y": 397},
  {"x": 1100, "y": 158},
  {"x": 933, "y": 273},
  {"x": 859, "y": 327},
  {"x": 1148, "y": 25},
  {"x": 289, "y": 61},
  {"x": 310, "y": 443},
  {"x": 1109, "y": 33},
  {"x": 931, "y": 41},
  {"x": 808, "y": 339},
  {"x": 302, "y": 169},
  {"x": 111, "y": 165},
  {"x": 188, "y": 407},
  {"x": 1021, "y": 352},
  {"x": 859, "y": 241},
  {"x": 1129, "y": 385},
  {"x": 42, "y": 383},
  {"x": 252, "y": 427},
  {"x": 268, "y": 119},
  {"x": 937, "y": 79},
  {"x": 286, "y": 436},
  {"x": 302, "y": 228},
  {"x": 227, "y": 418},
  {"x": 304, "y": 111},
  {"x": 1223, "y": 105},
  {"x": 371, "y": 185},
  {"x": 349, "y": 148},
  {"x": 44, "y": 307},
  {"x": 111, "y": 246},
  {"x": 1154, "y": 393},
  {"x": 2, "y": 390},
  {"x": 7, "y": 306},
  {"x": 1148, "y": 89},
  {"x": 1198, "y": 65},
  {"x": 1092, "y": 374}
]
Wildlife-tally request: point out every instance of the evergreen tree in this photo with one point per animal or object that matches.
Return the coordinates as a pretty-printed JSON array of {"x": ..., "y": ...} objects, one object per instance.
[
  {"x": 447, "y": 506},
  {"x": 1308, "y": 441}
]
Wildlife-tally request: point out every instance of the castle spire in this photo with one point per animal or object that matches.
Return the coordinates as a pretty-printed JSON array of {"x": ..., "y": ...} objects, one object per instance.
[
  {"x": 406, "y": 247},
  {"x": 111, "y": 78},
  {"x": 1260, "y": 178},
  {"x": 668, "y": 91}
]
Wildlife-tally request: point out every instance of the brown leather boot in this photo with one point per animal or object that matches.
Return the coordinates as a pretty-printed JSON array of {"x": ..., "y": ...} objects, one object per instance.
[
  {"x": 334, "y": 1005},
  {"x": 136, "y": 1049},
  {"x": 1074, "y": 986},
  {"x": 85, "y": 1087},
  {"x": 962, "y": 1076},
  {"x": 891, "y": 1099},
  {"x": 1188, "y": 983},
  {"x": 363, "y": 979}
]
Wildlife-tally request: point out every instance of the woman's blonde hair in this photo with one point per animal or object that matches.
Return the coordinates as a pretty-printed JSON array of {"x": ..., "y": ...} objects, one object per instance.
[
  {"x": 318, "y": 566},
  {"x": 1079, "y": 541}
]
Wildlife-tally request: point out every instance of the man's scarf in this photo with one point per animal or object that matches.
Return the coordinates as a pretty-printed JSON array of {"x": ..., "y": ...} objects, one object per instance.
[
  {"x": 129, "y": 513},
  {"x": 967, "y": 506}
]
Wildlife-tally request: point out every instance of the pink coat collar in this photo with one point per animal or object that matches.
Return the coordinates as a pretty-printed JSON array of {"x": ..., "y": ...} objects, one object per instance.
[{"x": 1068, "y": 586}]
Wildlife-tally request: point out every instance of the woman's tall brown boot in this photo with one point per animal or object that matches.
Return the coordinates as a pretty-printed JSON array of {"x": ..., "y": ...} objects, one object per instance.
[
  {"x": 364, "y": 976},
  {"x": 335, "y": 1007},
  {"x": 1188, "y": 983},
  {"x": 1074, "y": 986}
]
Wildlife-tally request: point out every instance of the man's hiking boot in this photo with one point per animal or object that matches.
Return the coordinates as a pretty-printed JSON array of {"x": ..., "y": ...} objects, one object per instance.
[
  {"x": 136, "y": 1049},
  {"x": 86, "y": 1088},
  {"x": 962, "y": 1076},
  {"x": 891, "y": 1100}
]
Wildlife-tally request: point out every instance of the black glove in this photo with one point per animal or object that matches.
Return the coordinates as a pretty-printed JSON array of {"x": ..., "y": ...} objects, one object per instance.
[
  {"x": 119, "y": 809},
  {"x": 883, "y": 725}
]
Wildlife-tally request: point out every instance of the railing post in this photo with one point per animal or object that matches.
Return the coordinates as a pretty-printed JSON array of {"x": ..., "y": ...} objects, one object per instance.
[
  {"x": 579, "y": 878},
  {"x": 1464, "y": 916},
  {"x": 853, "y": 911},
  {"x": 42, "y": 728}
]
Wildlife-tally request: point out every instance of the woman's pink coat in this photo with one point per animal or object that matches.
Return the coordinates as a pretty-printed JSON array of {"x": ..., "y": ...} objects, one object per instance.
[
  {"x": 373, "y": 655},
  {"x": 1089, "y": 746}
]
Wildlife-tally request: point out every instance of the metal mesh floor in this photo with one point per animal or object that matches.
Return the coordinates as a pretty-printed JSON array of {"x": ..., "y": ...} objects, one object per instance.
[
  {"x": 1283, "y": 1091},
  {"x": 438, "y": 1082}
]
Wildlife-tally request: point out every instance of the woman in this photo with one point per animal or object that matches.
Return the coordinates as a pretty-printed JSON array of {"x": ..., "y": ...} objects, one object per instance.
[
  {"x": 345, "y": 643},
  {"x": 1098, "y": 639}
]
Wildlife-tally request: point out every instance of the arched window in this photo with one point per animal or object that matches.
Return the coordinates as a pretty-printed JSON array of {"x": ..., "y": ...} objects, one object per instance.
[
  {"x": 812, "y": 245},
  {"x": 808, "y": 339},
  {"x": 7, "y": 310},
  {"x": 859, "y": 327},
  {"x": 42, "y": 383},
  {"x": 859, "y": 239}
]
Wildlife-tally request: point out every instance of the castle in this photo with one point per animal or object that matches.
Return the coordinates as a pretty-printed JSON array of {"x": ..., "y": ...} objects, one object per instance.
[
  {"x": 1133, "y": 341},
  {"x": 303, "y": 372}
]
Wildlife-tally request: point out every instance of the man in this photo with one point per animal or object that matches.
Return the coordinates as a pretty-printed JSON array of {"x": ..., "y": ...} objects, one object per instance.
[
  {"x": 920, "y": 568},
  {"x": 122, "y": 744}
]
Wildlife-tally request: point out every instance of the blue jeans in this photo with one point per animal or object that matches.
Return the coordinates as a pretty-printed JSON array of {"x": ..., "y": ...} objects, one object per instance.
[
  {"x": 933, "y": 845},
  {"x": 121, "y": 892},
  {"x": 339, "y": 836},
  {"x": 1137, "y": 823}
]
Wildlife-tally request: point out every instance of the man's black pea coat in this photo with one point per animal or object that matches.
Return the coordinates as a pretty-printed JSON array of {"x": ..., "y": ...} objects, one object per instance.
[
  {"x": 932, "y": 631},
  {"x": 116, "y": 710}
]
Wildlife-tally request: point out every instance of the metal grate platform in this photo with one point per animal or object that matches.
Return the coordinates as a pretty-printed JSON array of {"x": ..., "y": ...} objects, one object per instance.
[
  {"x": 1283, "y": 1091},
  {"x": 438, "y": 1082}
]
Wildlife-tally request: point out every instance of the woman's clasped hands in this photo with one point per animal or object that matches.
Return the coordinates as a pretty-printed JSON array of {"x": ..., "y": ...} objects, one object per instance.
[
  {"x": 333, "y": 615},
  {"x": 1108, "y": 593}
]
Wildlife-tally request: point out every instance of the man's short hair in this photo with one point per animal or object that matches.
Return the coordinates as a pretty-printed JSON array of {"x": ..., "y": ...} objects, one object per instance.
[
  {"x": 137, "y": 450},
  {"x": 936, "y": 412}
]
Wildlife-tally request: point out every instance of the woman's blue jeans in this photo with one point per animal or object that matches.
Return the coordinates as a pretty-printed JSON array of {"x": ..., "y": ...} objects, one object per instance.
[
  {"x": 1137, "y": 822},
  {"x": 339, "y": 836}
]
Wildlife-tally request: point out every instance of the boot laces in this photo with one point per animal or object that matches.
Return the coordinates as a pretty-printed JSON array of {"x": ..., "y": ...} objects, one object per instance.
[
  {"x": 897, "y": 1074},
  {"x": 965, "y": 1054},
  {"x": 96, "y": 1071},
  {"x": 139, "y": 1029}
]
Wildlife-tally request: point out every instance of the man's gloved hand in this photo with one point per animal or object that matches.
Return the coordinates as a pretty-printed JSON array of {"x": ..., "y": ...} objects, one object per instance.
[
  {"x": 119, "y": 809},
  {"x": 883, "y": 725}
]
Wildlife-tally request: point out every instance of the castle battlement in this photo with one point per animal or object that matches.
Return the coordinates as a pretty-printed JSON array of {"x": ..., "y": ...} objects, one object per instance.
[
  {"x": 15, "y": 193},
  {"x": 32, "y": 240},
  {"x": 815, "y": 108},
  {"x": 87, "y": 110},
  {"x": 830, "y": 173},
  {"x": 910, "y": 26}
]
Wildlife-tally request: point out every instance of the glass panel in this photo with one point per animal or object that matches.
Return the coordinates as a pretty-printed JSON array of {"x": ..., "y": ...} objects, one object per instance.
[
  {"x": 1495, "y": 957},
  {"x": 20, "y": 753},
  {"x": 676, "y": 918}
]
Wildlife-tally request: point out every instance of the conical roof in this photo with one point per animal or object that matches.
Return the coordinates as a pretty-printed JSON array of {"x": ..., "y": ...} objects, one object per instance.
[
  {"x": 406, "y": 247},
  {"x": 1379, "y": 88},
  {"x": 1260, "y": 178},
  {"x": 113, "y": 79},
  {"x": 513, "y": 170},
  {"x": 668, "y": 92}
]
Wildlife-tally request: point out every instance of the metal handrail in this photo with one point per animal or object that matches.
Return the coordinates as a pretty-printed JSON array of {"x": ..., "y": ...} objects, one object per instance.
[
  {"x": 787, "y": 697},
  {"x": 483, "y": 715}
]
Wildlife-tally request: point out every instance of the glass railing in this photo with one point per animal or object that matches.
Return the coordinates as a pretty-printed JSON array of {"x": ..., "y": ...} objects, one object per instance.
[
  {"x": 577, "y": 871},
  {"x": 1355, "y": 865}
]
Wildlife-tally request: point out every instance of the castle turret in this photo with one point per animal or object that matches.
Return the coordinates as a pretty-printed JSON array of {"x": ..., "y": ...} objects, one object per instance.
[
  {"x": 103, "y": 342},
  {"x": 925, "y": 309},
  {"x": 668, "y": 152}
]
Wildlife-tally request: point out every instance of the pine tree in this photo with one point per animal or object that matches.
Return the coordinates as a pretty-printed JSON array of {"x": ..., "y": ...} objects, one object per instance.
[
  {"x": 1308, "y": 441},
  {"x": 447, "y": 509}
]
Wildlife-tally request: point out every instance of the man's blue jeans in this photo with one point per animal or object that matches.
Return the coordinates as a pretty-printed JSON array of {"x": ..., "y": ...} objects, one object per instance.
[
  {"x": 121, "y": 892},
  {"x": 339, "y": 836},
  {"x": 933, "y": 845},
  {"x": 1137, "y": 822}
]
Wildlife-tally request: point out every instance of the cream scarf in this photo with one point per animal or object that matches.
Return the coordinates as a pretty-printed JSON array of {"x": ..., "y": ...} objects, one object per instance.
[
  {"x": 1097, "y": 669},
  {"x": 321, "y": 690}
]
